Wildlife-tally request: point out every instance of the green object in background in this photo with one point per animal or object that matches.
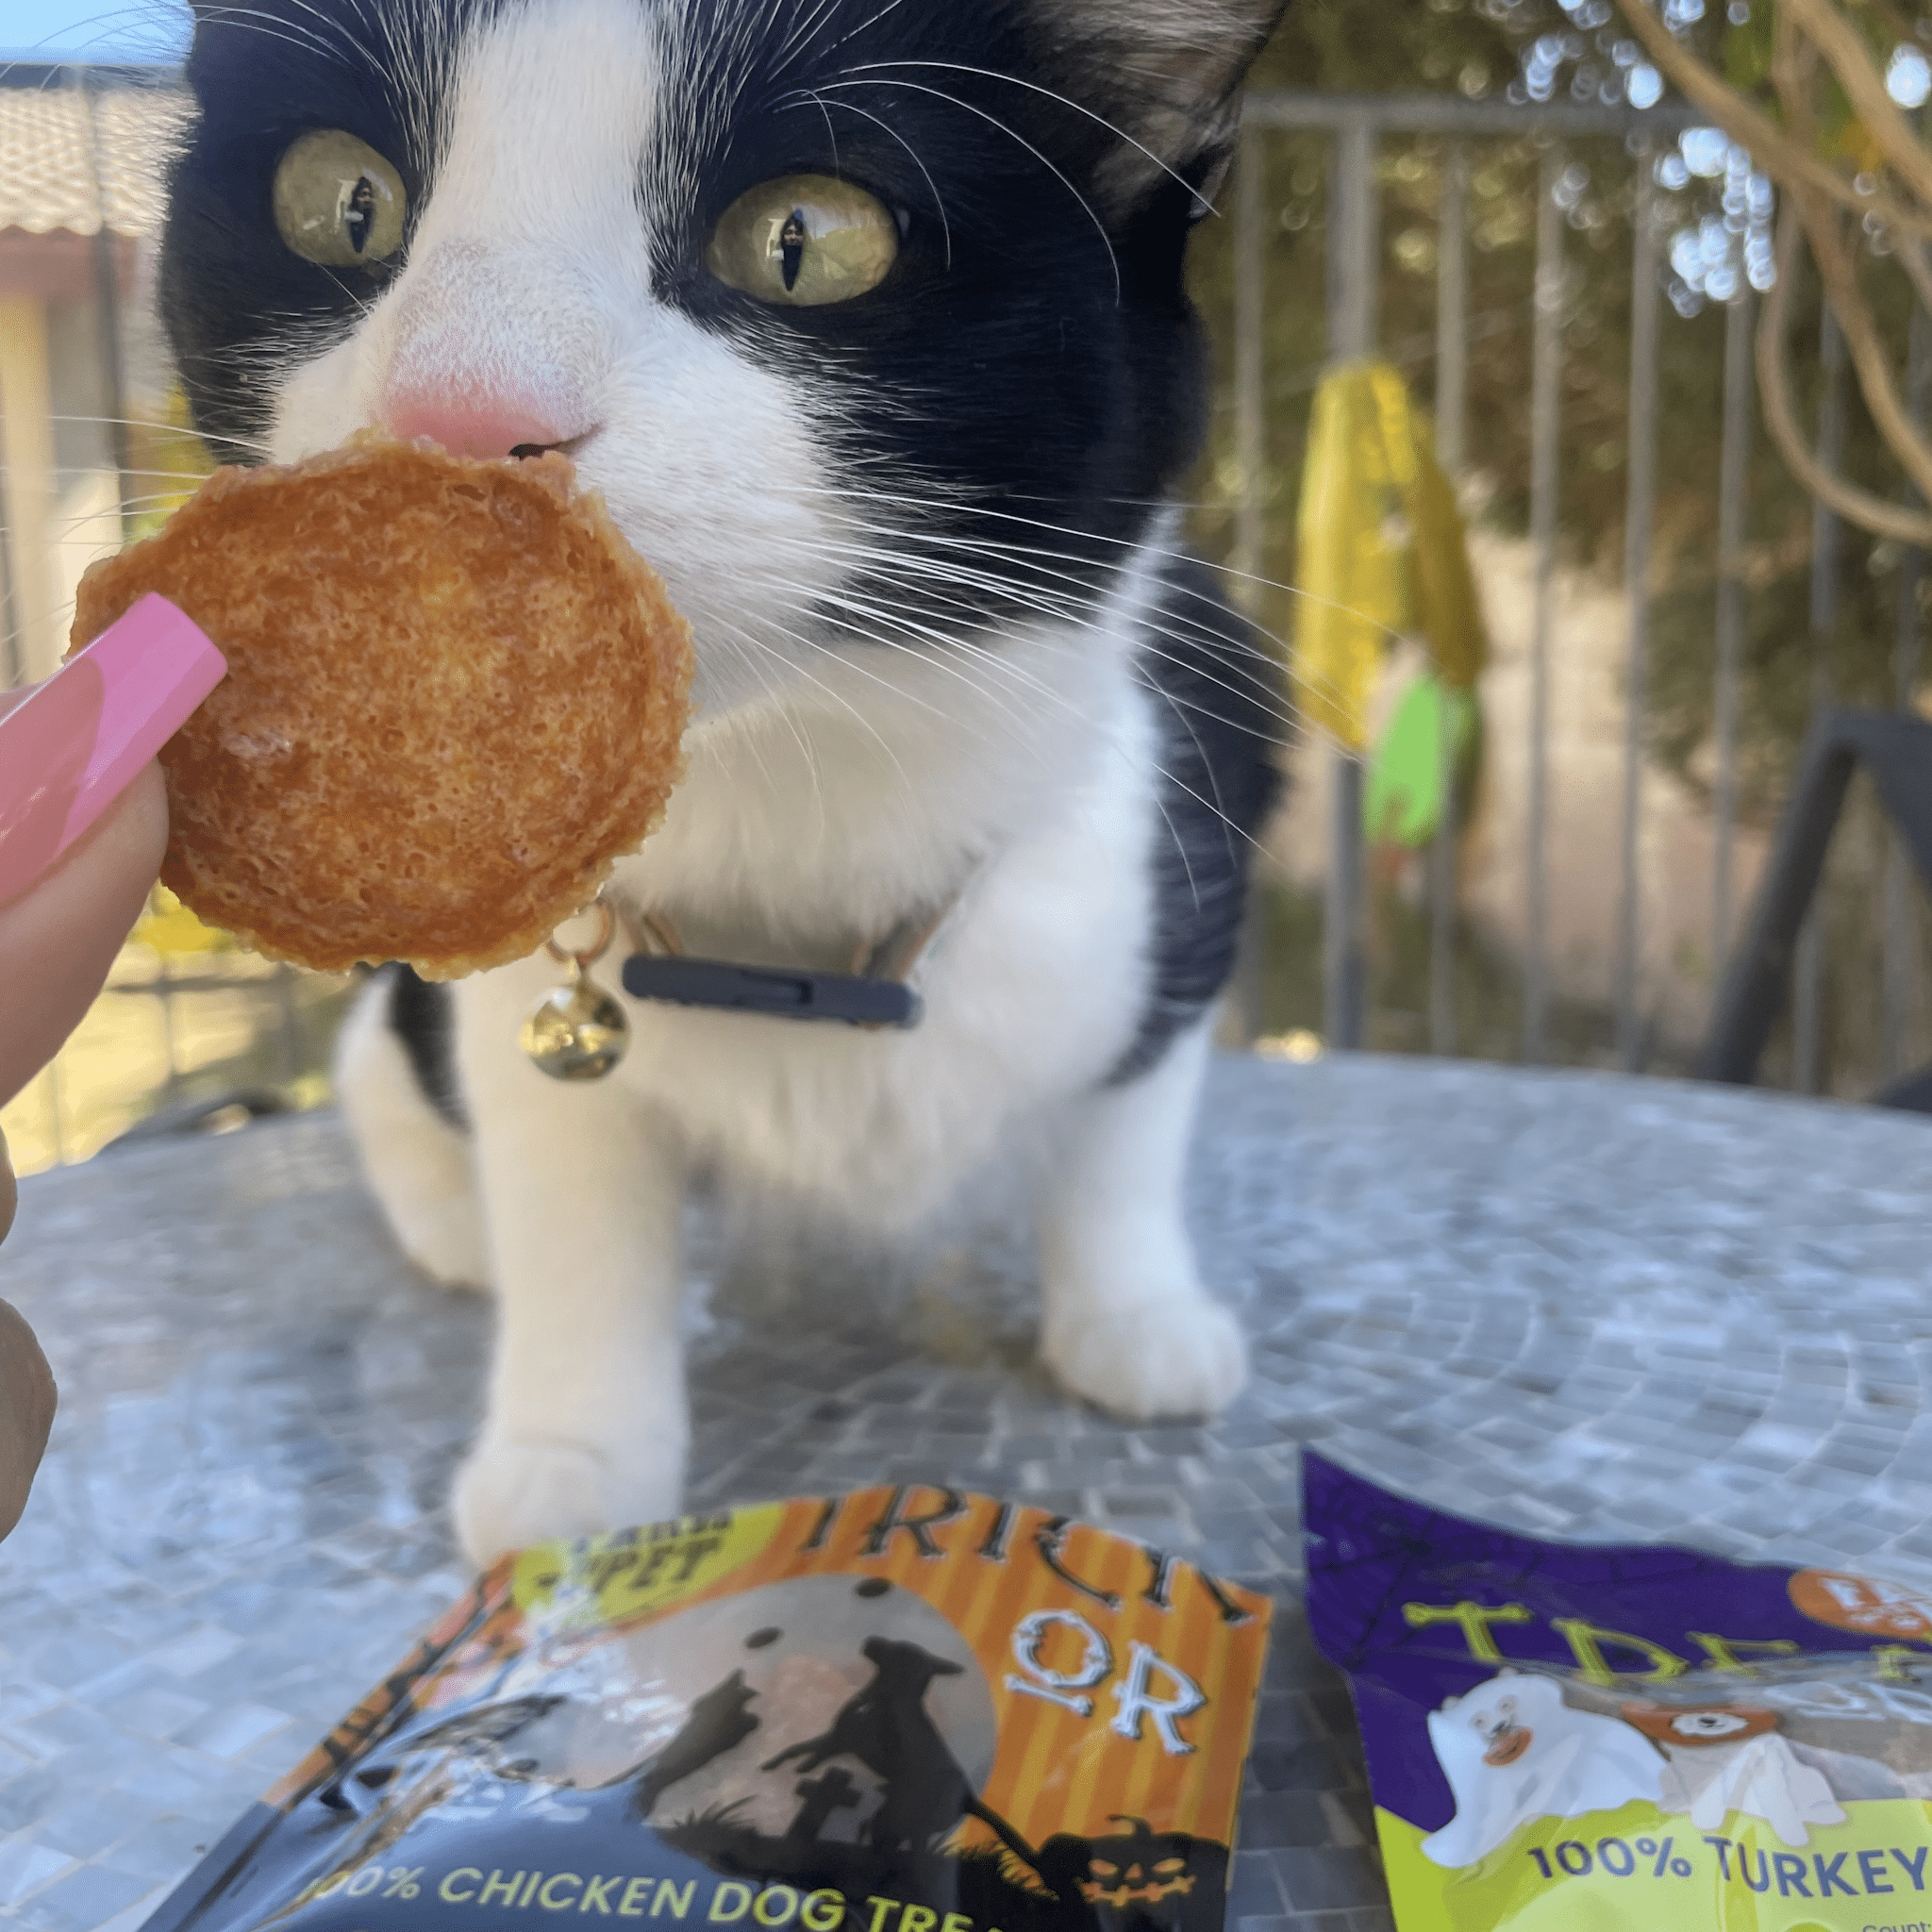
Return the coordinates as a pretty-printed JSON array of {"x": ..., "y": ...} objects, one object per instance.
[{"x": 1420, "y": 757}]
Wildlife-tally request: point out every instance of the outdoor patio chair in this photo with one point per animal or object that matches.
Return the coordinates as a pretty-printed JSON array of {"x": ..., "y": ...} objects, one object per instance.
[{"x": 1896, "y": 750}]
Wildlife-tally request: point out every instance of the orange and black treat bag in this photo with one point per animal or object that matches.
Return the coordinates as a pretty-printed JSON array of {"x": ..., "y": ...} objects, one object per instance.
[{"x": 903, "y": 1710}]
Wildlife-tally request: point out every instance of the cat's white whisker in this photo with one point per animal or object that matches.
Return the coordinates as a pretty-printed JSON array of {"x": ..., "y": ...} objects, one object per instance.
[
  {"x": 908, "y": 567},
  {"x": 807, "y": 751},
  {"x": 921, "y": 640},
  {"x": 1182, "y": 715},
  {"x": 109, "y": 515},
  {"x": 1014, "y": 135},
  {"x": 840, "y": 601},
  {"x": 927, "y": 640},
  {"x": 147, "y": 423},
  {"x": 329, "y": 28},
  {"x": 1053, "y": 95},
  {"x": 271, "y": 26},
  {"x": 799, "y": 40},
  {"x": 753, "y": 652},
  {"x": 845, "y": 704},
  {"x": 939, "y": 200},
  {"x": 1149, "y": 549},
  {"x": 110, "y": 27},
  {"x": 865, "y": 26},
  {"x": 813, "y": 646}
]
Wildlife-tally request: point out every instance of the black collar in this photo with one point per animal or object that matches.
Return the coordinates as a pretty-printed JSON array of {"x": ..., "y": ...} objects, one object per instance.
[
  {"x": 874, "y": 994},
  {"x": 854, "y": 998}
]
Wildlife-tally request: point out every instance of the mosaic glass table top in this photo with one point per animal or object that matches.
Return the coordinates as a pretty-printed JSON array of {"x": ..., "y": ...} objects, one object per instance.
[{"x": 1577, "y": 1304}]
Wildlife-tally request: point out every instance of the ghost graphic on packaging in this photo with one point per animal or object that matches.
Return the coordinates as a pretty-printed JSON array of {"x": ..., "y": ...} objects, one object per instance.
[
  {"x": 1512, "y": 1751},
  {"x": 1726, "y": 1758}
]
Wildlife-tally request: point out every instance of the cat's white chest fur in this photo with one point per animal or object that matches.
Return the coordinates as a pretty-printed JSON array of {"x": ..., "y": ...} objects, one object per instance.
[{"x": 795, "y": 836}]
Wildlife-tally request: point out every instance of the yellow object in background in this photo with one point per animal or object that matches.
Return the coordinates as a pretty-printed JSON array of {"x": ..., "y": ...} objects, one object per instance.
[
  {"x": 175, "y": 461},
  {"x": 170, "y": 928},
  {"x": 1382, "y": 552}
]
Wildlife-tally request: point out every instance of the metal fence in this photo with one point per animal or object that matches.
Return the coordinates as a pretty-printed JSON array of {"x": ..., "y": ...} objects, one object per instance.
[
  {"x": 199, "y": 1043},
  {"x": 1358, "y": 134}
]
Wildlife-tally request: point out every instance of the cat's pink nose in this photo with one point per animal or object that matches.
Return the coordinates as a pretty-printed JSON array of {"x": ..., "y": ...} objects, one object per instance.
[{"x": 495, "y": 426}]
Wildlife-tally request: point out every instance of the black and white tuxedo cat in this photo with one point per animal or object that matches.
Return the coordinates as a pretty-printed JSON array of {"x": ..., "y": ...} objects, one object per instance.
[{"x": 867, "y": 319}]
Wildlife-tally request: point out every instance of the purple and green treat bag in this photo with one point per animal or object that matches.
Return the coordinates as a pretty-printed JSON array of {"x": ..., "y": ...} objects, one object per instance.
[{"x": 1618, "y": 1738}]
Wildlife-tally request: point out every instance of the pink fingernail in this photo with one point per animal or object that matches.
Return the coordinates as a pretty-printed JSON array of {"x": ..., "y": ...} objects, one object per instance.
[{"x": 76, "y": 744}]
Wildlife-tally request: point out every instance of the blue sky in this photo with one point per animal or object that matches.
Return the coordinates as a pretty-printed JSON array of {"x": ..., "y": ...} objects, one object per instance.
[{"x": 92, "y": 30}]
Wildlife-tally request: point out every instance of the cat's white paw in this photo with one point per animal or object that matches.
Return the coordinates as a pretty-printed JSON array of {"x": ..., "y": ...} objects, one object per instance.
[
  {"x": 1183, "y": 1356},
  {"x": 511, "y": 1493}
]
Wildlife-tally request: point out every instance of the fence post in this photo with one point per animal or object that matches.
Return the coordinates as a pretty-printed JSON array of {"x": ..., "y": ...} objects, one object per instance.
[
  {"x": 12, "y": 637},
  {"x": 1250, "y": 363},
  {"x": 1243, "y": 1012},
  {"x": 1640, "y": 507},
  {"x": 1452, "y": 406},
  {"x": 1545, "y": 421},
  {"x": 163, "y": 985},
  {"x": 1901, "y": 954},
  {"x": 1354, "y": 257},
  {"x": 108, "y": 295},
  {"x": 1808, "y": 1005},
  {"x": 1734, "y": 464},
  {"x": 27, "y": 481},
  {"x": 57, "y": 1111}
]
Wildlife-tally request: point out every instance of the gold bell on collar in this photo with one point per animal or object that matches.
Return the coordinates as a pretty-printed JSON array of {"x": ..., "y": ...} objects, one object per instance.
[{"x": 578, "y": 1031}]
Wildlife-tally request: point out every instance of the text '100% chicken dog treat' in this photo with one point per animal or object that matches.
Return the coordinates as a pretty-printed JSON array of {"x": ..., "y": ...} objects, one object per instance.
[
  {"x": 456, "y": 697},
  {"x": 1611, "y": 1738},
  {"x": 902, "y": 1711}
]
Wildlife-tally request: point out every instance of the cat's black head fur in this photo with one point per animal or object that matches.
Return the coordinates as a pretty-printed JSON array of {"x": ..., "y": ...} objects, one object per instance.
[{"x": 1032, "y": 350}]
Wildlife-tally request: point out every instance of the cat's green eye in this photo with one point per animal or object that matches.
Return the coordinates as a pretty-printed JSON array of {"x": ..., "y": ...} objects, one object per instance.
[
  {"x": 804, "y": 240},
  {"x": 338, "y": 202}
]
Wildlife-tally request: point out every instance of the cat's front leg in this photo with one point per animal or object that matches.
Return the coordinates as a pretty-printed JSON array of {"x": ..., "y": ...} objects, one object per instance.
[
  {"x": 1125, "y": 1322},
  {"x": 586, "y": 1428},
  {"x": 415, "y": 1157}
]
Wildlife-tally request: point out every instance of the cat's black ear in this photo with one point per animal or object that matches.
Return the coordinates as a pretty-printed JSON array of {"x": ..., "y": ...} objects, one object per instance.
[{"x": 1165, "y": 74}]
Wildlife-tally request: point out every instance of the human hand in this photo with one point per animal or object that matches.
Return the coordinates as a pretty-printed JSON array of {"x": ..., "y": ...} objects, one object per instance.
[
  {"x": 56, "y": 942},
  {"x": 83, "y": 824},
  {"x": 58, "y": 938}
]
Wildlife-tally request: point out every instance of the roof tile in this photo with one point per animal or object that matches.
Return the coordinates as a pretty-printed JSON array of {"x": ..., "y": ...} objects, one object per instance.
[{"x": 63, "y": 151}]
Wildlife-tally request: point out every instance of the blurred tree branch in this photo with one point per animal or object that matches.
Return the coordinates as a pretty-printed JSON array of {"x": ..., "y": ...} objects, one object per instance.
[
  {"x": 1780, "y": 156},
  {"x": 1833, "y": 139},
  {"x": 1864, "y": 508}
]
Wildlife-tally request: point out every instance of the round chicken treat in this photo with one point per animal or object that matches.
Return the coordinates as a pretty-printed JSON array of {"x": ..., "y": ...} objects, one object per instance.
[{"x": 456, "y": 697}]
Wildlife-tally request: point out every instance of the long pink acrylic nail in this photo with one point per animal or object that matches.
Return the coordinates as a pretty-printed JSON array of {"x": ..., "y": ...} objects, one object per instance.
[{"x": 76, "y": 744}]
